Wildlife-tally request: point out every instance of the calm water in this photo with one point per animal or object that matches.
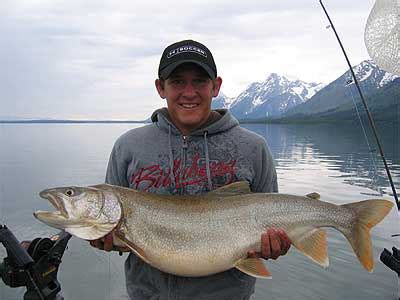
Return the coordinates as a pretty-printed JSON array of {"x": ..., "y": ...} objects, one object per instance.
[{"x": 332, "y": 160}]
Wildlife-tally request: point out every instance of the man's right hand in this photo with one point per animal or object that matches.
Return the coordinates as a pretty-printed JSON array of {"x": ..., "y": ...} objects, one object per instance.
[{"x": 106, "y": 243}]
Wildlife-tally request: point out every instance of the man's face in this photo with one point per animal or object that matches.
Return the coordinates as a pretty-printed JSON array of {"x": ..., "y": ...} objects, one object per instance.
[{"x": 188, "y": 91}]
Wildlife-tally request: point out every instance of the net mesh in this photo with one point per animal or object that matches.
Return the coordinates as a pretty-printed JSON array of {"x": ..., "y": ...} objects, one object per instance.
[{"x": 382, "y": 35}]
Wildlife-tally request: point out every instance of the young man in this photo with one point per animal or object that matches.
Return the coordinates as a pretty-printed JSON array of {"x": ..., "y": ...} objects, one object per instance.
[{"x": 190, "y": 149}]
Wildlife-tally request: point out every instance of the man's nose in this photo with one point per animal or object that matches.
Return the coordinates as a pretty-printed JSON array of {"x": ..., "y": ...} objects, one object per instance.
[{"x": 189, "y": 90}]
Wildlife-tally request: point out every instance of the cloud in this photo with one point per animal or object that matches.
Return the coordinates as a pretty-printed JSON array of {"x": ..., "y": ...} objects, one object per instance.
[{"x": 99, "y": 59}]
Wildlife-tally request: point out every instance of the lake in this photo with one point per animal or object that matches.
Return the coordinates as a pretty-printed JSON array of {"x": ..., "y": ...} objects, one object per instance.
[{"x": 334, "y": 160}]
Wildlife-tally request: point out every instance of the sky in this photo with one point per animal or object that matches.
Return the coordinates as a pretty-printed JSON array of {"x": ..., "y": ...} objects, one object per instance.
[{"x": 98, "y": 59}]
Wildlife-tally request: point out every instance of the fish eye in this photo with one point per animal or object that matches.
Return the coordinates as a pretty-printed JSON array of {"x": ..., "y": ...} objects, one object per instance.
[{"x": 69, "y": 192}]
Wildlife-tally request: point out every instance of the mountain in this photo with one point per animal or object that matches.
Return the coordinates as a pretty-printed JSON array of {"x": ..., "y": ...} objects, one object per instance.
[
  {"x": 336, "y": 100},
  {"x": 221, "y": 101},
  {"x": 279, "y": 98},
  {"x": 270, "y": 98}
]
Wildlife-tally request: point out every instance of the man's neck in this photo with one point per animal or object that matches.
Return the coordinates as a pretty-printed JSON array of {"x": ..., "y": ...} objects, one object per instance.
[{"x": 213, "y": 117}]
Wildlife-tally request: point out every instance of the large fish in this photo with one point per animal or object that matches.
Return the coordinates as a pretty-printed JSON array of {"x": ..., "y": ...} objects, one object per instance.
[{"x": 210, "y": 233}]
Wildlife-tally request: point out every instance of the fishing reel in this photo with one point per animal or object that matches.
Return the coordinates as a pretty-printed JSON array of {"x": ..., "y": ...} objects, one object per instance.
[
  {"x": 392, "y": 261},
  {"x": 35, "y": 268}
]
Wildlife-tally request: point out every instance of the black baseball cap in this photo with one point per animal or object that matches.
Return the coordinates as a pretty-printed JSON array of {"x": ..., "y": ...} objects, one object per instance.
[{"x": 187, "y": 51}]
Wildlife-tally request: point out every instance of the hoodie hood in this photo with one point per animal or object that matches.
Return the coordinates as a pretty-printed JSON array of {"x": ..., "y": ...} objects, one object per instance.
[{"x": 222, "y": 120}]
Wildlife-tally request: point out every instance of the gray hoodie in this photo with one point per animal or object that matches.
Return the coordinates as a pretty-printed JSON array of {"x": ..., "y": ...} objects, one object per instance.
[{"x": 218, "y": 153}]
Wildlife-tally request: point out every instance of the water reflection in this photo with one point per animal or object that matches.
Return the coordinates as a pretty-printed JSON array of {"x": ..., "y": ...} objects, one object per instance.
[{"x": 340, "y": 148}]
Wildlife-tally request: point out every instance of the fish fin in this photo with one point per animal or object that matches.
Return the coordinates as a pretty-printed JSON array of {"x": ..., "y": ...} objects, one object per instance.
[
  {"x": 368, "y": 213},
  {"x": 314, "y": 195},
  {"x": 90, "y": 230},
  {"x": 253, "y": 267},
  {"x": 120, "y": 239},
  {"x": 102, "y": 186},
  {"x": 311, "y": 242},
  {"x": 239, "y": 187}
]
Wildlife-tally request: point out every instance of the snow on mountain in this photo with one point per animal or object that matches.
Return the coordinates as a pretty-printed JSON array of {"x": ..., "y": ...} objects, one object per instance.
[
  {"x": 367, "y": 70},
  {"x": 363, "y": 71},
  {"x": 222, "y": 101},
  {"x": 387, "y": 78},
  {"x": 339, "y": 95},
  {"x": 272, "y": 97}
]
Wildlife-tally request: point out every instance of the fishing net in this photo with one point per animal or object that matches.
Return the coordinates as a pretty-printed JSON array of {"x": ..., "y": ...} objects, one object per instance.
[{"x": 382, "y": 35}]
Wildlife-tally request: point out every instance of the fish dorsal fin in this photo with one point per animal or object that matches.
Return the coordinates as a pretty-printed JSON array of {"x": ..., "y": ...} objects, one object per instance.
[
  {"x": 314, "y": 196},
  {"x": 102, "y": 186},
  {"x": 312, "y": 243},
  {"x": 239, "y": 187},
  {"x": 253, "y": 267}
]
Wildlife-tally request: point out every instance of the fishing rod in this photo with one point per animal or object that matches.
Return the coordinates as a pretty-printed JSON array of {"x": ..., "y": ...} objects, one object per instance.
[
  {"x": 370, "y": 118},
  {"x": 391, "y": 260}
]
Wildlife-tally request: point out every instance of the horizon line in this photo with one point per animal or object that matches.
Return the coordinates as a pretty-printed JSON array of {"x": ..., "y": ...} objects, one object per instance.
[{"x": 70, "y": 121}]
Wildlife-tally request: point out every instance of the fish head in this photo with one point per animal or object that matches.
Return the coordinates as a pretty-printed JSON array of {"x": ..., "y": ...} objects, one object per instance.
[{"x": 86, "y": 212}]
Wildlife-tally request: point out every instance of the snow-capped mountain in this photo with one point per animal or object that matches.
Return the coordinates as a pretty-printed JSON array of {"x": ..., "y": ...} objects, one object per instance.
[
  {"x": 222, "y": 101},
  {"x": 339, "y": 94},
  {"x": 278, "y": 96},
  {"x": 272, "y": 97},
  {"x": 369, "y": 72}
]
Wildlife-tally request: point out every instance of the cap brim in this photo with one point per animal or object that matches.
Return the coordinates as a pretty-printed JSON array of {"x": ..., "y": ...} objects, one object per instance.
[{"x": 166, "y": 72}]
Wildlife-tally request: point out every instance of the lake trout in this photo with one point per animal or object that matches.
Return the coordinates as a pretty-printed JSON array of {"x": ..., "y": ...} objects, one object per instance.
[{"x": 210, "y": 233}]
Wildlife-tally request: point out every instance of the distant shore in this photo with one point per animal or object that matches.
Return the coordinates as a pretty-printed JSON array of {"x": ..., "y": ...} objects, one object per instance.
[
  {"x": 309, "y": 120},
  {"x": 70, "y": 121}
]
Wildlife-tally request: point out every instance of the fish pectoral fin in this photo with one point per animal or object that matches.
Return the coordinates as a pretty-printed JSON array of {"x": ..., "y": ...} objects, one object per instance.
[
  {"x": 121, "y": 240},
  {"x": 314, "y": 196},
  {"x": 253, "y": 267},
  {"x": 239, "y": 187},
  {"x": 312, "y": 243},
  {"x": 90, "y": 231}
]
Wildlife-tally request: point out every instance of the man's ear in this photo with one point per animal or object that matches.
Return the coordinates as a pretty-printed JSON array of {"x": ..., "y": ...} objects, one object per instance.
[
  {"x": 217, "y": 86},
  {"x": 160, "y": 88}
]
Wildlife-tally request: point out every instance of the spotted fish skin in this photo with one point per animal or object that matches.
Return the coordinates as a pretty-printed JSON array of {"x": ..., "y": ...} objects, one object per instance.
[{"x": 206, "y": 234}]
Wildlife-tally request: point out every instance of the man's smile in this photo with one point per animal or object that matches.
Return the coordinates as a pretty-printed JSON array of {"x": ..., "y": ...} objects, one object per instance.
[{"x": 189, "y": 105}]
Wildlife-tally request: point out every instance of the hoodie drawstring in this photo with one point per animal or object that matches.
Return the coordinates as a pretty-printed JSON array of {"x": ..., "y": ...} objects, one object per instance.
[
  {"x": 207, "y": 161},
  {"x": 171, "y": 160}
]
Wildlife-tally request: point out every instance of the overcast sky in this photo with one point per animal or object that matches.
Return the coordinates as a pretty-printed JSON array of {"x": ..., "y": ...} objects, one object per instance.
[{"x": 98, "y": 59}]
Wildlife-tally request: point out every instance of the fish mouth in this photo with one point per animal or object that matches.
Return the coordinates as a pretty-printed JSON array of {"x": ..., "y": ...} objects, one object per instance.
[{"x": 56, "y": 202}]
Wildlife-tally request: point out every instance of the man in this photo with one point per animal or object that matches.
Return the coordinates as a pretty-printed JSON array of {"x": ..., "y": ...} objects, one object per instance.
[{"x": 190, "y": 149}]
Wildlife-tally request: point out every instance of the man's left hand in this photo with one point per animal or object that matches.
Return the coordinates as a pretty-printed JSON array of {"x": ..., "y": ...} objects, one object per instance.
[{"x": 274, "y": 243}]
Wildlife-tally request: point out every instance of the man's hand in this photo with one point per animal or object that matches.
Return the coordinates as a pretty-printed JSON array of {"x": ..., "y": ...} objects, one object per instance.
[
  {"x": 106, "y": 243},
  {"x": 274, "y": 243}
]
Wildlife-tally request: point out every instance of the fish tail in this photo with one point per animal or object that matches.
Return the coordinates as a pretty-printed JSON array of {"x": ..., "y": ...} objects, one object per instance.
[{"x": 367, "y": 214}]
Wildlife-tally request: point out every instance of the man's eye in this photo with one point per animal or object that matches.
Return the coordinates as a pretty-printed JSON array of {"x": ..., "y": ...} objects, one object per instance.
[
  {"x": 200, "y": 81},
  {"x": 177, "y": 81}
]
